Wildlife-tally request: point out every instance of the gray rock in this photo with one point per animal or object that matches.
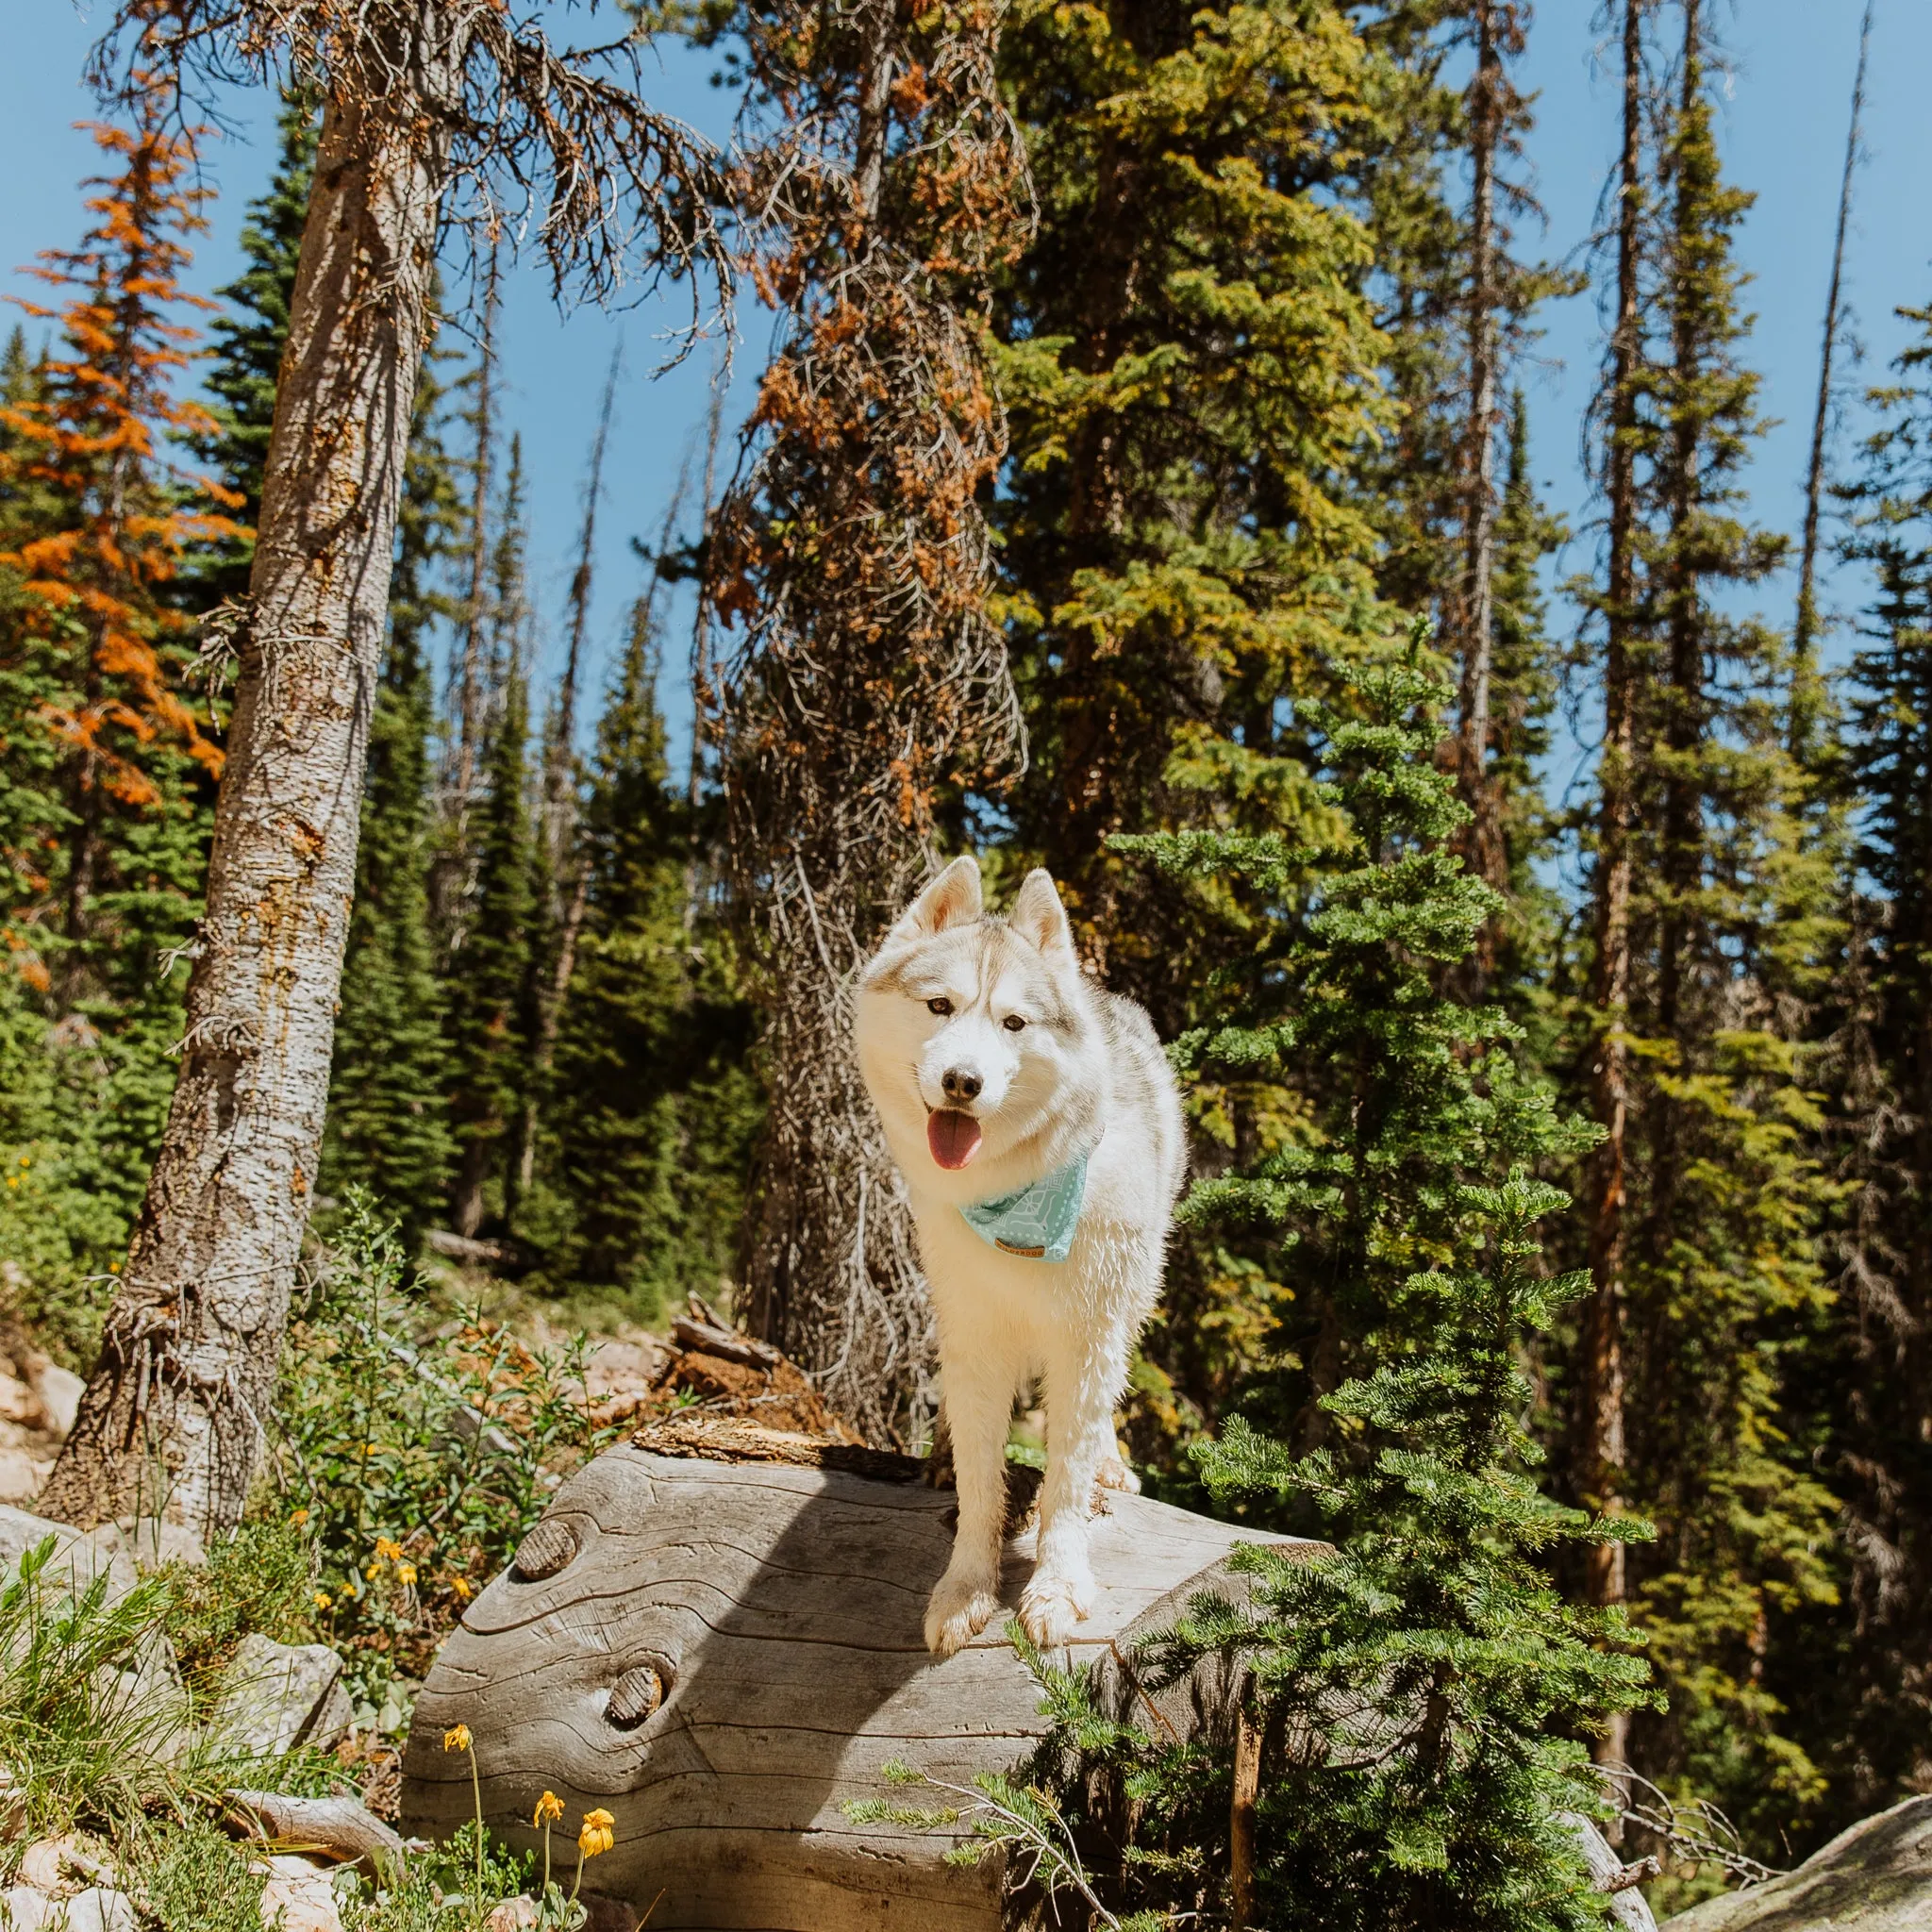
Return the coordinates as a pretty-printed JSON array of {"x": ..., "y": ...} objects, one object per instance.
[
  {"x": 277, "y": 1696},
  {"x": 99, "y": 1909},
  {"x": 80, "y": 1556},
  {"x": 148, "y": 1702},
  {"x": 1875, "y": 1877},
  {"x": 24, "y": 1909},
  {"x": 59, "y": 1390}
]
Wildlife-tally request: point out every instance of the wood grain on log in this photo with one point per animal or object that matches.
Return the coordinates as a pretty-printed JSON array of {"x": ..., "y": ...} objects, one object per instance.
[{"x": 778, "y": 1607}]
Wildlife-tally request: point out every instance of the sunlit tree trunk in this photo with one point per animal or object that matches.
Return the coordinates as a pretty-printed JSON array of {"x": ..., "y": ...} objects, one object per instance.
[{"x": 172, "y": 1417}]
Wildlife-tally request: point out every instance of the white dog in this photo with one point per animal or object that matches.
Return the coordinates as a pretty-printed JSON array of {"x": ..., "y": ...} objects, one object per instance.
[{"x": 1038, "y": 1125}]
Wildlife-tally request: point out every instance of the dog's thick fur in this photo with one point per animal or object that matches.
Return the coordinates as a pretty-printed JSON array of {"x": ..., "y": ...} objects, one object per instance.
[{"x": 1081, "y": 1073}]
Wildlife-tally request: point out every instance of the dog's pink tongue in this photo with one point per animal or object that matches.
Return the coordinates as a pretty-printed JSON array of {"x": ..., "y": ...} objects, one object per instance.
[{"x": 953, "y": 1136}]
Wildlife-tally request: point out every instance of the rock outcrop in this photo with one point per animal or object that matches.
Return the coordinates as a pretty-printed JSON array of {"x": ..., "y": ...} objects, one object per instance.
[{"x": 1875, "y": 1877}]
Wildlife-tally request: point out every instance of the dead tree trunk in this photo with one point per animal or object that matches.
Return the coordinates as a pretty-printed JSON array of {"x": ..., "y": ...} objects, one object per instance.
[
  {"x": 173, "y": 1414},
  {"x": 1807, "y": 698}
]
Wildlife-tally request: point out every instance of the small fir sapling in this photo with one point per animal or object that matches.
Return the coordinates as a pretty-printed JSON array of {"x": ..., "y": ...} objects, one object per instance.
[{"x": 1418, "y": 1696}]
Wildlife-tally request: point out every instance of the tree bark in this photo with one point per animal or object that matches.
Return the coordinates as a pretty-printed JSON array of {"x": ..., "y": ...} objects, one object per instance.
[
  {"x": 1806, "y": 697},
  {"x": 172, "y": 1417},
  {"x": 1600, "y": 1420}
]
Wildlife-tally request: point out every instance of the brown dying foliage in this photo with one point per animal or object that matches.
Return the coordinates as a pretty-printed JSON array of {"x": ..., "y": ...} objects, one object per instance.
[{"x": 871, "y": 688}]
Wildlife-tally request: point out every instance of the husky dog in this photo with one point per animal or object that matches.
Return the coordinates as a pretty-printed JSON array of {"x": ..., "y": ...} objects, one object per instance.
[{"x": 1038, "y": 1129}]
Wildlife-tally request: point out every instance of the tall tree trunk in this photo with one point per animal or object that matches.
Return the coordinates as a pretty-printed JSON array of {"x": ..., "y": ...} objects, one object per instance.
[
  {"x": 172, "y": 1417},
  {"x": 563, "y": 868},
  {"x": 1600, "y": 1416},
  {"x": 1480, "y": 560},
  {"x": 470, "y": 679},
  {"x": 1806, "y": 695},
  {"x": 1683, "y": 700}
]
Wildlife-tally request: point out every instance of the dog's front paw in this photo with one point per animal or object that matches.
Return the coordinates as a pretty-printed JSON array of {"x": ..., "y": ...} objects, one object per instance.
[
  {"x": 957, "y": 1611},
  {"x": 1053, "y": 1602}
]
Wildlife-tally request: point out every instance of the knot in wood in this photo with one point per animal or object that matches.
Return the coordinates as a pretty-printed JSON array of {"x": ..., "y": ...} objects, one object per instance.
[
  {"x": 637, "y": 1694},
  {"x": 544, "y": 1551}
]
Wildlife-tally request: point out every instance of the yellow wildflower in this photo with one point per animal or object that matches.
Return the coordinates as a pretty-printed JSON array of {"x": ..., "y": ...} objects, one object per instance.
[
  {"x": 596, "y": 1836},
  {"x": 463, "y": 1587},
  {"x": 13, "y": 1180},
  {"x": 299, "y": 1517},
  {"x": 373, "y": 1571},
  {"x": 322, "y": 1600},
  {"x": 406, "y": 1575},
  {"x": 549, "y": 1810},
  {"x": 390, "y": 1548},
  {"x": 456, "y": 1738}
]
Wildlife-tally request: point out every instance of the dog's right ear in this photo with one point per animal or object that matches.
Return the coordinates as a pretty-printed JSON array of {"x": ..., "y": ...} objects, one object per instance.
[{"x": 952, "y": 899}]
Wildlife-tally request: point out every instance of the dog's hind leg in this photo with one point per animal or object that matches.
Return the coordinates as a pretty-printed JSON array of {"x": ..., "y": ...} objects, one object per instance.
[{"x": 979, "y": 1402}]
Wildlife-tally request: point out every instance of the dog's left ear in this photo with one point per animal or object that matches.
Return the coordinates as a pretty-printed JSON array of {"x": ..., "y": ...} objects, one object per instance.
[{"x": 1037, "y": 914}]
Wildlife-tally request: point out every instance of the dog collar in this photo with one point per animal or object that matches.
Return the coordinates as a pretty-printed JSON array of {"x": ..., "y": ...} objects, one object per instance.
[{"x": 1037, "y": 1221}]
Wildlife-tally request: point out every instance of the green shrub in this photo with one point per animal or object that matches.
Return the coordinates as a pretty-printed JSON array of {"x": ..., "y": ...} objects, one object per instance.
[{"x": 413, "y": 1461}]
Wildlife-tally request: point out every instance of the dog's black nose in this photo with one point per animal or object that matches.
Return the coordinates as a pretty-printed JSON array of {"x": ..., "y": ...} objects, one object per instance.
[{"x": 961, "y": 1084}]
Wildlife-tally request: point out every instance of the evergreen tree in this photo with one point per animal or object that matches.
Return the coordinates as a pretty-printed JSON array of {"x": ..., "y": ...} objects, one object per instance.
[
  {"x": 489, "y": 979},
  {"x": 110, "y": 752},
  {"x": 1191, "y": 366},
  {"x": 654, "y": 1104},
  {"x": 97, "y": 579},
  {"x": 388, "y": 1129},
  {"x": 1412, "y": 1696},
  {"x": 1878, "y": 1702},
  {"x": 1724, "y": 921},
  {"x": 247, "y": 340}
]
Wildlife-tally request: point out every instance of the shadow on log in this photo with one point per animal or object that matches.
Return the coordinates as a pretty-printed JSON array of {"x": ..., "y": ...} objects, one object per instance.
[{"x": 724, "y": 1652}]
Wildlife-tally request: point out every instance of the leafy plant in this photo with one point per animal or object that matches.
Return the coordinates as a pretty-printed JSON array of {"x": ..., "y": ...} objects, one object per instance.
[
  {"x": 186, "y": 1874},
  {"x": 414, "y": 1462}
]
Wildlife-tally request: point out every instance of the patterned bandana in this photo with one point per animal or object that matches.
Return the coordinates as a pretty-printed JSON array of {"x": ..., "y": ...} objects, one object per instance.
[{"x": 1037, "y": 1222}]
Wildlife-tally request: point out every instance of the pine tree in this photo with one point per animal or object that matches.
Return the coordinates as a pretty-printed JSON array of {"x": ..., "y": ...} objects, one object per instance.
[
  {"x": 1192, "y": 367},
  {"x": 110, "y": 751},
  {"x": 248, "y": 339},
  {"x": 1880, "y": 1675},
  {"x": 1713, "y": 932},
  {"x": 489, "y": 979},
  {"x": 1412, "y": 1698},
  {"x": 215, "y": 1250},
  {"x": 387, "y": 1127},
  {"x": 97, "y": 579},
  {"x": 654, "y": 1101},
  {"x": 1194, "y": 372}
]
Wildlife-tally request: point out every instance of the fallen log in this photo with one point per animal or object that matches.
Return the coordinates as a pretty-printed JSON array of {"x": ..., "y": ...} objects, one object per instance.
[
  {"x": 339, "y": 1829},
  {"x": 724, "y": 1653}
]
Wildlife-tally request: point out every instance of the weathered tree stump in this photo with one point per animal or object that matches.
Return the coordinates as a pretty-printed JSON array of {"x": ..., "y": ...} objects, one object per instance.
[{"x": 723, "y": 1654}]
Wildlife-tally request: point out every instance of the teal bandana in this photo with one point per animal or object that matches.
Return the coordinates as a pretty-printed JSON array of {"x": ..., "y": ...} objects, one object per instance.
[{"x": 1037, "y": 1222}]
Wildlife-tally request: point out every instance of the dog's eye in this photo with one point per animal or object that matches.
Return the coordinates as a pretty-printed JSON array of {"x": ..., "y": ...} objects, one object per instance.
[
  {"x": 940, "y": 1007},
  {"x": 1012, "y": 1023}
]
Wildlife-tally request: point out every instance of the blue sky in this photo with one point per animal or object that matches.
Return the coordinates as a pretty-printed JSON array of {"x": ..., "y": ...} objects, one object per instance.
[{"x": 1789, "y": 71}]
